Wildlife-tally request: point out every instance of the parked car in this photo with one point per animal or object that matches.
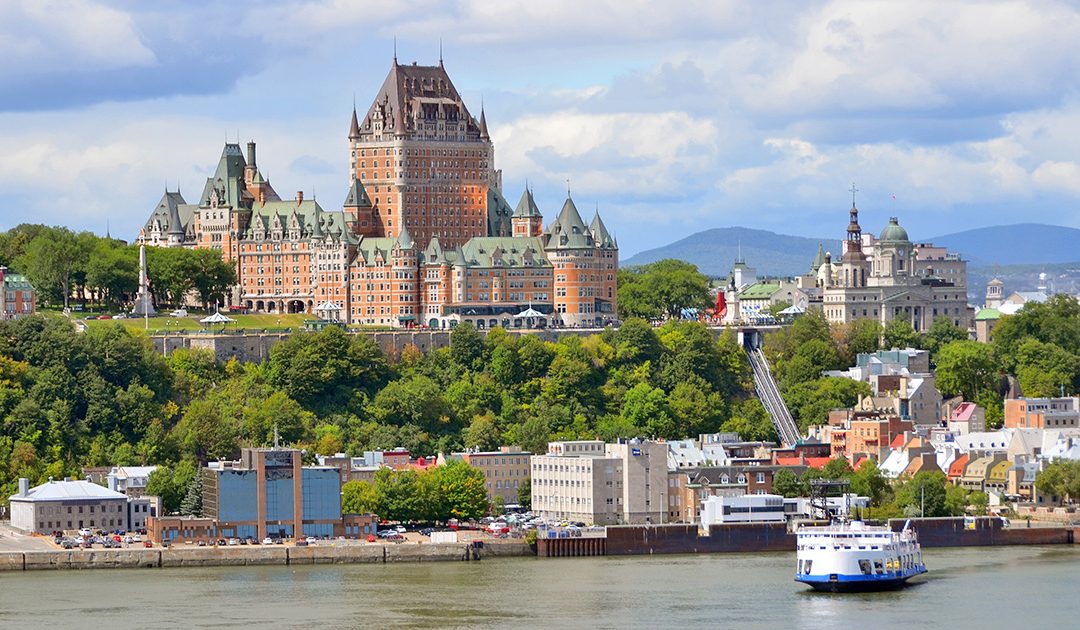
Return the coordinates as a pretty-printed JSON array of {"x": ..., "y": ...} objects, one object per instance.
[
  {"x": 202, "y": 543},
  {"x": 233, "y": 542},
  {"x": 400, "y": 529},
  {"x": 311, "y": 540},
  {"x": 427, "y": 531},
  {"x": 371, "y": 538},
  {"x": 302, "y": 543},
  {"x": 85, "y": 532},
  {"x": 221, "y": 542},
  {"x": 267, "y": 541},
  {"x": 68, "y": 544},
  {"x": 149, "y": 544}
]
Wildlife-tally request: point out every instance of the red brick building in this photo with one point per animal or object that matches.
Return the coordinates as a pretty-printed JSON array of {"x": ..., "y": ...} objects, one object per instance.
[
  {"x": 424, "y": 236},
  {"x": 17, "y": 295}
]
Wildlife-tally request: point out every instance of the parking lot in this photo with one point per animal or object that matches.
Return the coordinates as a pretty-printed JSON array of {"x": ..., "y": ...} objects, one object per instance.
[{"x": 11, "y": 540}]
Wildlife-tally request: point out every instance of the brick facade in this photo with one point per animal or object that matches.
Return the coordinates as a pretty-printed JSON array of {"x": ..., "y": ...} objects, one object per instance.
[{"x": 424, "y": 236}]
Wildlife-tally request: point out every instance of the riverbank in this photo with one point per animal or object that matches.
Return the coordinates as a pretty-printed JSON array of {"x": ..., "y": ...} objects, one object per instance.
[{"x": 256, "y": 556}]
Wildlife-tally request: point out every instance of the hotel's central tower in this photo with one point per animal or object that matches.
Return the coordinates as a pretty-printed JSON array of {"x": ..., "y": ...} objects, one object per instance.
[{"x": 425, "y": 162}]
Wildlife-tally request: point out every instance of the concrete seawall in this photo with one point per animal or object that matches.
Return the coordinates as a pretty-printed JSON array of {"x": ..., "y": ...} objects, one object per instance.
[{"x": 253, "y": 556}]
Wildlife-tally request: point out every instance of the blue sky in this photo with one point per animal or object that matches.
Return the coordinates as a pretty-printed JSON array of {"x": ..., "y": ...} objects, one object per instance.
[{"x": 670, "y": 117}]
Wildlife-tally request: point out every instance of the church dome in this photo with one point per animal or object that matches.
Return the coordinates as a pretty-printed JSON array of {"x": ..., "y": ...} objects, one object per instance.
[{"x": 893, "y": 233}]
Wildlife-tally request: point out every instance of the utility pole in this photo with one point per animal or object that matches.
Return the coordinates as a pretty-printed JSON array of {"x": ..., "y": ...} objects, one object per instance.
[{"x": 922, "y": 508}]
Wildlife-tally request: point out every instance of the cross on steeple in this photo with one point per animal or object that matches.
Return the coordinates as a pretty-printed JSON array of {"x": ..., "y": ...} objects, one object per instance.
[
  {"x": 853, "y": 190},
  {"x": 567, "y": 186}
]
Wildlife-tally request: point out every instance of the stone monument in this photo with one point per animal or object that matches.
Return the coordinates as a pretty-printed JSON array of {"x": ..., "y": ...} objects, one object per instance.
[{"x": 144, "y": 303}]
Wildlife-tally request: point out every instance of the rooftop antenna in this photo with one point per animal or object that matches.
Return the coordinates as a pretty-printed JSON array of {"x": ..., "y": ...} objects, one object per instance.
[
  {"x": 395, "y": 50},
  {"x": 440, "y": 52},
  {"x": 567, "y": 186}
]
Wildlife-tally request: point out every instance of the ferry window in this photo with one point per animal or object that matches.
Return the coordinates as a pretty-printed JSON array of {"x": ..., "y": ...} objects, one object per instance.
[
  {"x": 864, "y": 566},
  {"x": 878, "y": 567}
]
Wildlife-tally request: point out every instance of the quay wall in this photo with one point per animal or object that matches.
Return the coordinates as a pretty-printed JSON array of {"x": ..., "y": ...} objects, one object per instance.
[
  {"x": 986, "y": 532},
  {"x": 626, "y": 540},
  {"x": 254, "y": 556}
]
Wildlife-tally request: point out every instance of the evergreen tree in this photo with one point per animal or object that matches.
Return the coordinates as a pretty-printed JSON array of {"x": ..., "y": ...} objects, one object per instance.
[{"x": 192, "y": 503}]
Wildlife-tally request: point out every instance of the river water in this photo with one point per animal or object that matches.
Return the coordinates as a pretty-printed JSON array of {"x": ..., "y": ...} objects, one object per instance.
[{"x": 1003, "y": 587}]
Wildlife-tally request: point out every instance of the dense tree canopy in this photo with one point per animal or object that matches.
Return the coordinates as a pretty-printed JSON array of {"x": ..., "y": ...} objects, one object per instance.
[{"x": 662, "y": 289}]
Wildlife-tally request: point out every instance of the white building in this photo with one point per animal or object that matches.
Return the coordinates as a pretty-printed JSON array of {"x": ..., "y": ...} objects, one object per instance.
[
  {"x": 67, "y": 505},
  {"x": 131, "y": 480},
  {"x": 891, "y": 278},
  {"x": 602, "y": 484},
  {"x": 747, "y": 508}
]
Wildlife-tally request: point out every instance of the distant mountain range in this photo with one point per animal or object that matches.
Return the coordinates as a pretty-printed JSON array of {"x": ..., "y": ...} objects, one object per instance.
[{"x": 714, "y": 250}]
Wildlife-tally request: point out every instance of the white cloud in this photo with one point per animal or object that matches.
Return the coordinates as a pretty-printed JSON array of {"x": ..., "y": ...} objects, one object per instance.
[
  {"x": 608, "y": 154},
  {"x": 53, "y": 35},
  {"x": 920, "y": 55}
]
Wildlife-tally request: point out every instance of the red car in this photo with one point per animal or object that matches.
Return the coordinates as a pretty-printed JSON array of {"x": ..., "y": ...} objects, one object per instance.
[{"x": 147, "y": 544}]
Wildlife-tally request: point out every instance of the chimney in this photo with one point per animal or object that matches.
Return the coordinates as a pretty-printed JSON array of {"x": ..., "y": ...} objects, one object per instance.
[
  {"x": 299, "y": 197},
  {"x": 251, "y": 154},
  {"x": 24, "y": 487},
  {"x": 111, "y": 479}
]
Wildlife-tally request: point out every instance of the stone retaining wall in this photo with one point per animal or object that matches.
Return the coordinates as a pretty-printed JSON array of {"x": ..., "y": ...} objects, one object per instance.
[{"x": 252, "y": 556}]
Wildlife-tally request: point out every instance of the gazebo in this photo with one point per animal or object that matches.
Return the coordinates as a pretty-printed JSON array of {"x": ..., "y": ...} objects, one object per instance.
[
  {"x": 217, "y": 318},
  {"x": 328, "y": 311},
  {"x": 531, "y": 317}
]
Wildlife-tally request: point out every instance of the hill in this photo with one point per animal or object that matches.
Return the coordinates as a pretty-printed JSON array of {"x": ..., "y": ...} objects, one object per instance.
[
  {"x": 775, "y": 254},
  {"x": 1019, "y": 244},
  {"x": 714, "y": 250}
]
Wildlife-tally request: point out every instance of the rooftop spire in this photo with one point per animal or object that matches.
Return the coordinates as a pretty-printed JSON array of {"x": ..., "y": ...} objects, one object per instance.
[
  {"x": 354, "y": 125},
  {"x": 440, "y": 52},
  {"x": 395, "y": 50},
  {"x": 483, "y": 119}
]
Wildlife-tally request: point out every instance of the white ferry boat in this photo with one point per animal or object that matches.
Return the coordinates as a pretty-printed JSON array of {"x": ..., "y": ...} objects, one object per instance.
[{"x": 853, "y": 556}]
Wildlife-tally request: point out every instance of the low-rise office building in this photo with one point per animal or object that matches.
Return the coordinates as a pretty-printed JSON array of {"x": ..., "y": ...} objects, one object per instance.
[
  {"x": 269, "y": 492},
  {"x": 602, "y": 484},
  {"x": 1042, "y": 413},
  {"x": 504, "y": 471}
]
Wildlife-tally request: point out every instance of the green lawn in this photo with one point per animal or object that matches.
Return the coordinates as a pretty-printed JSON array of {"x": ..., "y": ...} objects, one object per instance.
[{"x": 191, "y": 323}]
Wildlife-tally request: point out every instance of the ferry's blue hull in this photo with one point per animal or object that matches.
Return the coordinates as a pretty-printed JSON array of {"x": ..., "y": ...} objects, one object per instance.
[{"x": 839, "y": 583}]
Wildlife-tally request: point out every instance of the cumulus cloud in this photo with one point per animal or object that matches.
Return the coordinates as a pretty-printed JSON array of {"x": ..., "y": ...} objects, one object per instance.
[
  {"x": 675, "y": 117},
  {"x": 61, "y": 55}
]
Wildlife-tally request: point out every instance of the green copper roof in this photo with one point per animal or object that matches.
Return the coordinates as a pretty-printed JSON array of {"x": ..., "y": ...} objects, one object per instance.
[
  {"x": 819, "y": 259},
  {"x": 496, "y": 251},
  {"x": 307, "y": 216},
  {"x": 357, "y": 196},
  {"x": 16, "y": 281},
  {"x": 371, "y": 248},
  {"x": 527, "y": 205},
  {"x": 499, "y": 213},
  {"x": 987, "y": 314},
  {"x": 893, "y": 233},
  {"x": 600, "y": 233},
  {"x": 568, "y": 230},
  {"x": 228, "y": 179},
  {"x": 759, "y": 291}
]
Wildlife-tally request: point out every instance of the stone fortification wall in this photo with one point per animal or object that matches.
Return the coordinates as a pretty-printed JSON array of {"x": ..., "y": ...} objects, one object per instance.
[{"x": 255, "y": 347}]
